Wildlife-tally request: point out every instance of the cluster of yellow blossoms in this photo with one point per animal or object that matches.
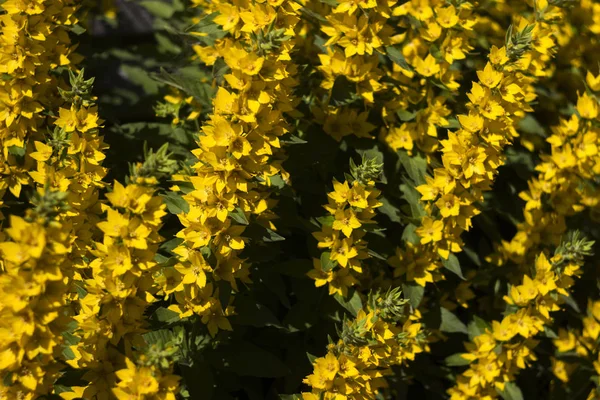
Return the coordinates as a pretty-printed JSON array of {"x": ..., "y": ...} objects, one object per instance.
[
  {"x": 34, "y": 42},
  {"x": 85, "y": 281},
  {"x": 564, "y": 185},
  {"x": 118, "y": 285},
  {"x": 352, "y": 207},
  {"x": 70, "y": 298},
  {"x": 35, "y": 276},
  {"x": 498, "y": 354},
  {"x": 422, "y": 40},
  {"x": 61, "y": 158},
  {"x": 583, "y": 345},
  {"x": 381, "y": 336},
  {"x": 472, "y": 155},
  {"x": 239, "y": 156},
  {"x": 438, "y": 35}
]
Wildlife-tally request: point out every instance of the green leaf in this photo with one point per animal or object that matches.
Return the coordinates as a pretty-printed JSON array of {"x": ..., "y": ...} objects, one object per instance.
[
  {"x": 219, "y": 70},
  {"x": 414, "y": 293},
  {"x": 511, "y": 392},
  {"x": 406, "y": 115},
  {"x": 415, "y": 166},
  {"x": 58, "y": 389},
  {"x": 166, "y": 45},
  {"x": 165, "y": 315},
  {"x": 175, "y": 203},
  {"x": 452, "y": 264},
  {"x": 397, "y": 57},
  {"x": 332, "y": 3},
  {"x": 310, "y": 13},
  {"x": 311, "y": 357},
  {"x": 389, "y": 209},
  {"x": 209, "y": 28},
  {"x": 78, "y": 29},
  {"x": 327, "y": 264},
  {"x": 70, "y": 339},
  {"x": 140, "y": 77},
  {"x": 290, "y": 396},
  {"x": 413, "y": 199},
  {"x": 159, "y": 258},
  {"x": 531, "y": 125},
  {"x": 410, "y": 234},
  {"x": 353, "y": 304},
  {"x": 326, "y": 220},
  {"x": 549, "y": 333},
  {"x": 292, "y": 139},
  {"x": 159, "y": 337},
  {"x": 239, "y": 216},
  {"x": 81, "y": 292},
  {"x": 456, "y": 360},
  {"x": 192, "y": 81},
  {"x": 160, "y": 9},
  {"x": 16, "y": 151},
  {"x": 272, "y": 236},
  {"x": 571, "y": 303},
  {"x": 436, "y": 53},
  {"x": 477, "y": 327},
  {"x": 169, "y": 245},
  {"x": 451, "y": 323},
  {"x": 277, "y": 181},
  {"x": 68, "y": 353},
  {"x": 452, "y": 124}
]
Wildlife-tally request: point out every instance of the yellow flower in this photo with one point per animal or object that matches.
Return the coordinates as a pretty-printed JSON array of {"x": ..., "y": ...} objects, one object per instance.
[
  {"x": 430, "y": 230},
  {"x": 427, "y": 67},
  {"x": 587, "y": 106},
  {"x": 566, "y": 341},
  {"x": 449, "y": 205},
  {"x": 489, "y": 76},
  {"x": 346, "y": 221},
  {"x": 343, "y": 250}
]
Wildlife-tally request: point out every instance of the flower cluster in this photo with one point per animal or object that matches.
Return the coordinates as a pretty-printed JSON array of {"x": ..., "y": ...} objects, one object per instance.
[
  {"x": 352, "y": 208},
  {"x": 498, "y": 354},
  {"x": 35, "y": 268},
  {"x": 472, "y": 155},
  {"x": 580, "y": 346},
  {"x": 421, "y": 41},
  {"x": 61, "y": 156},
  {"x": 192, "y": 270},
  {"x": 34, "y": 42},
  {"x": 69, "y": 160},
  {"x": 381, "y": 336},
  {"x": 564, "y": 185},
  {"x": 150, "y": 378},
  {"x": 239, "y": 156},
  {"x": 438, "y": 36},
  {"x": 119, "y": 282}
]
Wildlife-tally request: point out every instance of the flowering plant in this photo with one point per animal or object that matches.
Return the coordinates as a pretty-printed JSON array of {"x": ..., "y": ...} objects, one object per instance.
[{"x": 299, "y": 199}]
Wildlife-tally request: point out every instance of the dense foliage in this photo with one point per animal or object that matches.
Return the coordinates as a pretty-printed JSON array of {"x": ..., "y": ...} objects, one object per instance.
[{"x": 299, "y": 199}]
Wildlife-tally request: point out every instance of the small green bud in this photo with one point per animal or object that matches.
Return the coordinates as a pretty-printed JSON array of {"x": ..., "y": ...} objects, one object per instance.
[
  {"x": 518, "y": 43},
  {"x": 159, "y": 164},
  {"x": 48, "y": 204},
  {"x": 573, "y": 249},
  {"x": 81, "y": 90},
  {"x": 368, "y": 171}
]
